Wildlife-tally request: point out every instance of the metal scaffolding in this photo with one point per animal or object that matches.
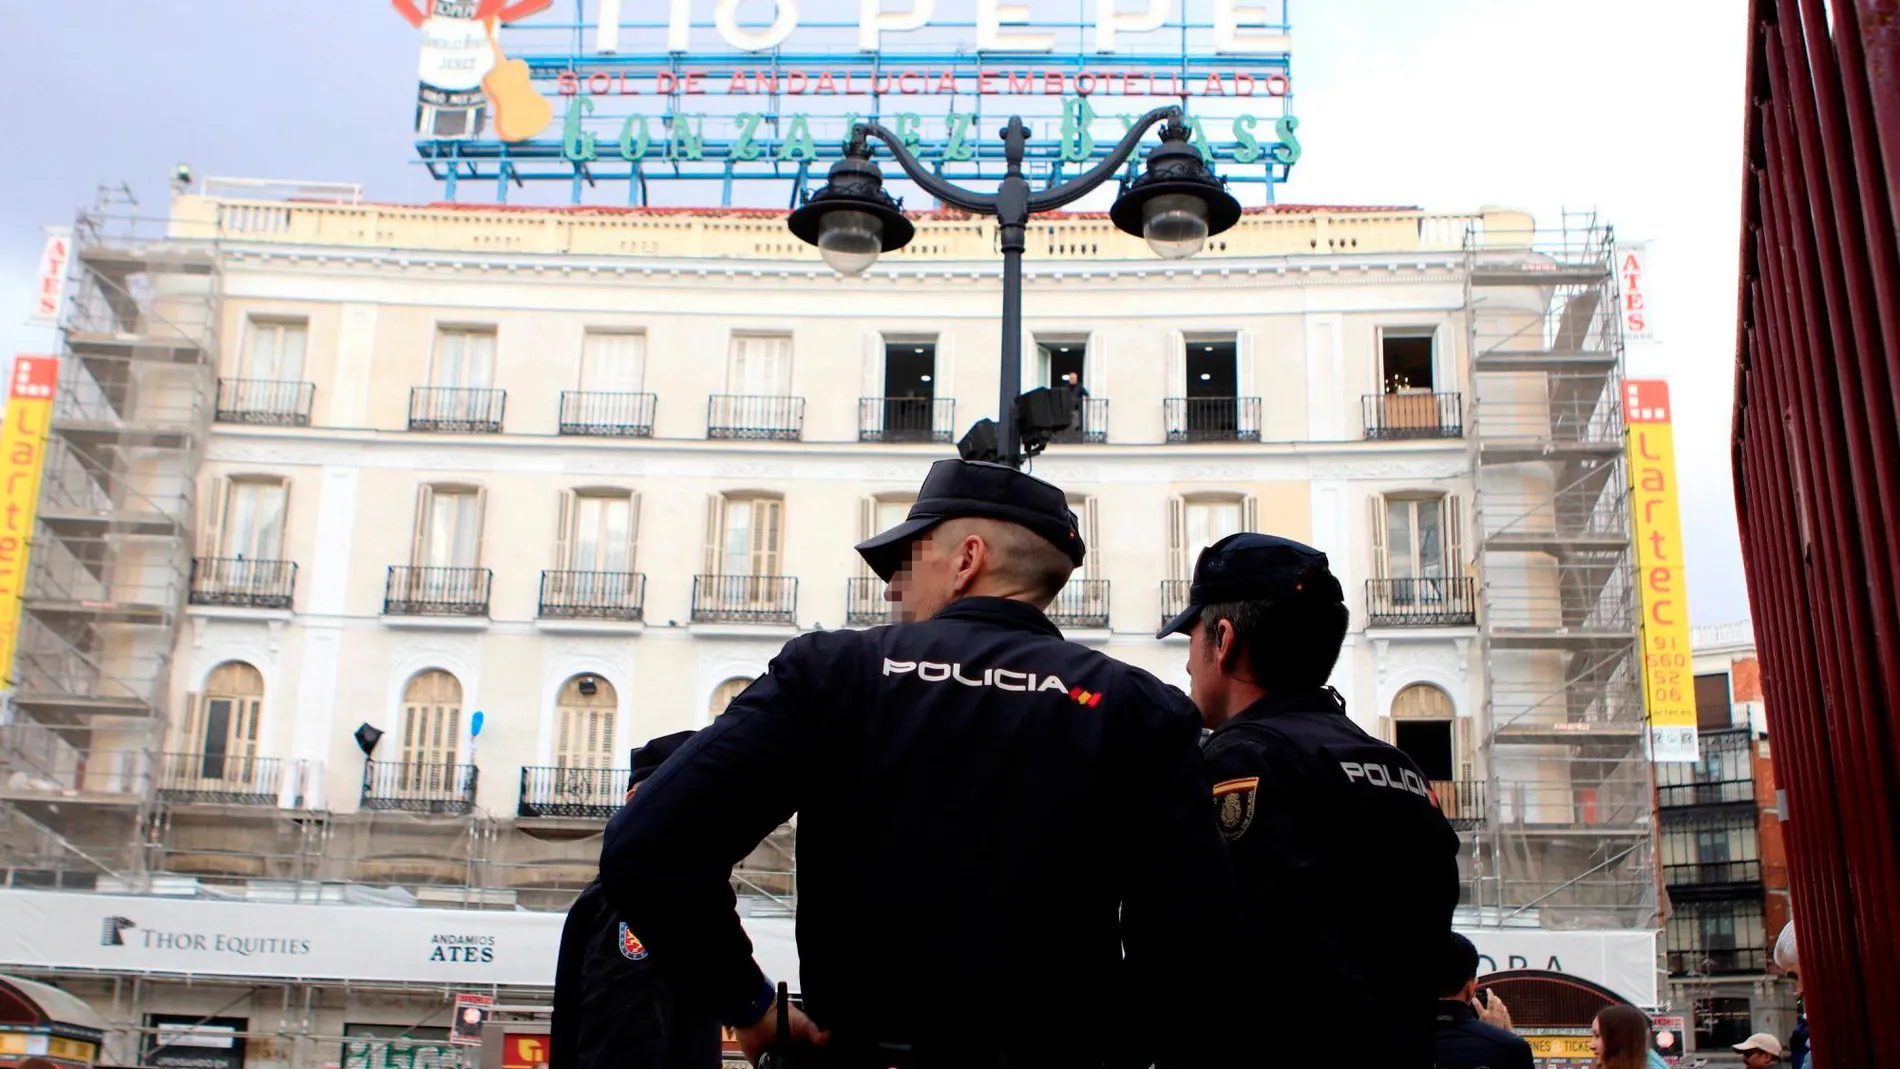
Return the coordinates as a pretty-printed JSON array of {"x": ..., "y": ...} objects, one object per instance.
[
  {"x": 111, "y": 549},
  {"x": 1568, "y": 831}
]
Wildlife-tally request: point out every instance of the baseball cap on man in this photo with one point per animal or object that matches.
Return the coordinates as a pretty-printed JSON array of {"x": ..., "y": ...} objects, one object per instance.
[
  {"x": 648, "y": 759},
  {"x": 1252, "y": 567},
  {"x": 1760, "y": 1041},
  {"x": 958, "y": 488}
]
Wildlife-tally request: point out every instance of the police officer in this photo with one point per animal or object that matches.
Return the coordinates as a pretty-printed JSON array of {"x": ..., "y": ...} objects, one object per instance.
[
  {"x": 988, "y": 815},
  {"x": 1348, "y": 870},
  {"x": 615, "y": 1004}
]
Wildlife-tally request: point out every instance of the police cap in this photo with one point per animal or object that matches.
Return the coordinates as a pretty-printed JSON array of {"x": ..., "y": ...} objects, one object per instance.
[
  {"x": 647, "y": 759},
  {"x": 955, "y": 489},
  {"x": 1254, "y": 567}
]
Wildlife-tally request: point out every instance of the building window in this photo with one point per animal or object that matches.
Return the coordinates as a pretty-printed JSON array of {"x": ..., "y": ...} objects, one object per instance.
[
  {"x": 1715, "y": 938},
  {"x": 1061, "y": 361},
  {"x": 273, "y": 350},
  {"x": 724, "y": 693},
  {"x": 597, "y": 531},
  {"x": 1405, "y": 361},
  {"x": 1200, "y": 522},
  {"x": 464, "y": 359},
  {"x": 1713, "y": 710},
  {"x": 1410, "y": 538},
  {"x": 245, "y": 518},
  {"x": 613, "y": 363},
  {"x": 431, "y": 720},
  {"x": 1213, "y": 367},
  {"x": 449, "y": 527},
  {"x": 1424, "y": 724},
  {"x": 1720, "y": 1023},
  {"x": 761, "y": 365},
  {"x": 221, "y": 723},
  {"x": 748, "y": 530},
  {"x": 586, "y": 720}
]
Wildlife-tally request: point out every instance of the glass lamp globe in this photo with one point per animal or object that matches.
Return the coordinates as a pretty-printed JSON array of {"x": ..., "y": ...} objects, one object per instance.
[
  {"x": 851, "y": 240},
  {"x": 1175, "y": 225}
]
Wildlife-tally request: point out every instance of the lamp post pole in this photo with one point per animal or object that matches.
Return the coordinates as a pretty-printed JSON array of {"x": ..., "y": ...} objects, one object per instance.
[{"x": 1012, "y": 204}]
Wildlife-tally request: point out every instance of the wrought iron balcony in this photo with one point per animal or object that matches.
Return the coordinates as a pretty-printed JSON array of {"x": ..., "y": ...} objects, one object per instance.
[
  {"x": 1174, "y": 598},
  {"x": 239, "y": 582},
  {"x": 1399, "y": 416},
  {"x": 1090, "y": 426},
  {"x": 1213, "y": 419},
  {"x": 422, "y": 787},
  {"x": 755, "y": 418},
  {"x": 1724, "y": 774},
  {"x": 865, "y": 604},
  {"x": 268, "y": 402},
  {"x": 905, "y": 419},
  {"x": 593, "y": 595},
  {"x": 607, "y": 415},
  {"x": 1450, "y": 602},
  {"x": 1718, "y": 961},
  {"x": 582, "y": 793},
  {"x": 1714, "y": 876},
  {"x": 745, "y": 599},
  {"x": 1082, "y": 603},
  {"x": 436, "y": 591},
  {"x": 1462, "y": 802},
  {"x": 456, "y": 410},
  {"x": 220, "y": 779}
]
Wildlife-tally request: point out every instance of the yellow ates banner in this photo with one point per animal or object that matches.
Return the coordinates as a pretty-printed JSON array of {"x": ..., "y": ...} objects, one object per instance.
[
  {"x": 1668, "y": 677},
  {"x": 22, "y": 458}
]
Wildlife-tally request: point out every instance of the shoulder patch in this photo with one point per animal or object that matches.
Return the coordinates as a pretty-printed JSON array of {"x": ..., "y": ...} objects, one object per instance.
[
  {"x": 1235, "y": 799},
  {"x": 631, "y": 947}
]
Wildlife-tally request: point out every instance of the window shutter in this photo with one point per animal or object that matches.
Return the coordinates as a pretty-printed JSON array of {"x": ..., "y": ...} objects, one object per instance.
[
  {"x": 873, "y": 365},
  {"x": 1250, "y": 513},
  {"x": 1376, "y": 504},
  {"x": 715, "y": 528},
  {"x": 211, "y": 533},
  {"x": 1095, "y": 363},
  {"x": 1461, "y": 756},
  {"x": 633, "y": 530},
  {"x": 1385, "y": 729},
  {"x": 1091, "y": 536},
  {"x": 782, "y": 366},
  {"x": 767, "y": 515},
  {"x": 1178, "y": 564},
  {"x": 945, "y": 372},
  {"x": 425, "y": 502},
  {"x": 564, "y": 531},
  {"x": 1176, "y": 386},
  {"x": 1249, "y": 416},
  {"x": 189, "y": 740},
  {"x": 867, "y": 526},
  {"x": 1454, "y": 536},
  {"x": 481, "y": 523}
]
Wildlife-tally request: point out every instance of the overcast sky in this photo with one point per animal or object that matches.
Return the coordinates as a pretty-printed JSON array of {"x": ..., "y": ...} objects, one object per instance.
[{"x": 1629, "y": 107}]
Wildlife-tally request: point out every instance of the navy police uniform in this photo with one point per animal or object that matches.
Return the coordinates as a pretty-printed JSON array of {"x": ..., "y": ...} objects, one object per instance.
[
  {"x": 1348, "y": 869},
  {"x": 615, "y": 1004},
  {"x": 1465, "y": 1042},
  {"x": 988, "y": 816}
]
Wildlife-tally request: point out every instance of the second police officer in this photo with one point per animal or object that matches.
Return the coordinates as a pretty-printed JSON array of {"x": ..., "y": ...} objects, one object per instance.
[
  {"x": 1348, "y": 870},
  {"x": 988, "y": 815}
]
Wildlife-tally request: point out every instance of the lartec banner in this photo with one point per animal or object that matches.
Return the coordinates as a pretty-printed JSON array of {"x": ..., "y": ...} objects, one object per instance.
[
  {"x": 22, "y": 459},
  {"x": 476, "y": 948},
  {"x": 1668, "y": 677}
]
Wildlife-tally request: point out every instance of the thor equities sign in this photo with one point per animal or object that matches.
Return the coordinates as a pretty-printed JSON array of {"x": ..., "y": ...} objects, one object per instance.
[{"x": 768, "y": 89}]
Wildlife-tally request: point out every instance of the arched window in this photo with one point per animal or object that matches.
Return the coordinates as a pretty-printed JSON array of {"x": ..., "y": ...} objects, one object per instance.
[
  {"x": 725, "y": 692},
  {"x": 1425, "y": 725},
  {"x": 221, "y": 725},
  {"x": 586, "y": 722},
  {"x": 431, "y": 719}
]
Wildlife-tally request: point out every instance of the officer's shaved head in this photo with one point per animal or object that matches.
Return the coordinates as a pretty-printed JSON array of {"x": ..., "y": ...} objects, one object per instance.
[
  {"x": 978, "y": 556},
  {"x": 1024, "y": 558}
]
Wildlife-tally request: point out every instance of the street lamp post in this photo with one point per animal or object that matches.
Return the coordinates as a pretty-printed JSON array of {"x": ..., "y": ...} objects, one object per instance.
[{"x": 1175, "y": 206}]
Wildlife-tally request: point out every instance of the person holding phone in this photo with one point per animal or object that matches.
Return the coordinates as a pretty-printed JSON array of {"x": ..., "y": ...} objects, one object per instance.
[{"x": 1474, "y": 1027}]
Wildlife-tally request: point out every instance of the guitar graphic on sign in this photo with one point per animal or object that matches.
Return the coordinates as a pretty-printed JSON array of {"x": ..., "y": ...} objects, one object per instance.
[{"x": 463, "y": 70}]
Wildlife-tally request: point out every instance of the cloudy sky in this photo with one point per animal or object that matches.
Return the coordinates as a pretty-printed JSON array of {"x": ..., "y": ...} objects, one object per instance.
[{"x": 1631, "y": 108}]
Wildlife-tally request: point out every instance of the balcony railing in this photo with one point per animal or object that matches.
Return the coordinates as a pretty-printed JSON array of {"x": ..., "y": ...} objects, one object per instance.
[
  {"x": 593, "y": 595},
  {"x": 1213, "y": 419},
  {"x": 1451, "y": 602},
  {"x": 864, "y": 602},
  {"x": 1712, "y": 873},
  {"x": 240, "y": 582},
  {"x": 590, "y": 793},
  {"x": 745, "y": 599},
  {"x": 1397, "y": 416},
  {"x": 1723, "y": 775},
  {"x": 1174, "y": 598},
  {"x": 220, "y": 779},
  {"x": 1462, "y": 802},
  {"x": 422, "y": 787},
  {"x": 905, "y": 419},
  {"x": 1717, "y": 961},
  {"x": 456, "y": 410},
  {"x": 607, "y": 415},
  {"x": 269, "y": 402},
  {"x": 1082, "y": 603},
  {"x": 1090, "y": 426},
  {"x": 755, "y": 418},
  {"x": 436, "y": 591}
]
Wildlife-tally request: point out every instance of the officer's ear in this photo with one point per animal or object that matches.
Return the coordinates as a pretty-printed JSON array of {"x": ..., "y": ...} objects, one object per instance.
[{"x": 1226, "y": 643}]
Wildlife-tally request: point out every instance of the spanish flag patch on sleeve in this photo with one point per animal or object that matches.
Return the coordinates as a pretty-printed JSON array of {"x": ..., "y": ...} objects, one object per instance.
[{"x": 1234, "y": 799}]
